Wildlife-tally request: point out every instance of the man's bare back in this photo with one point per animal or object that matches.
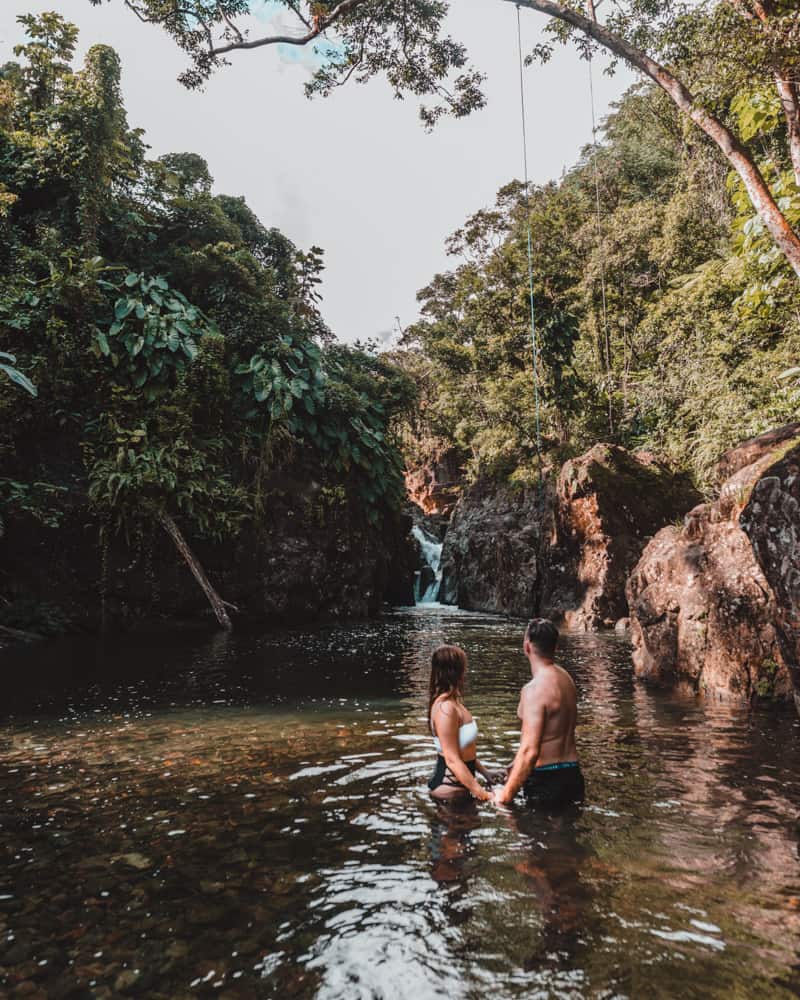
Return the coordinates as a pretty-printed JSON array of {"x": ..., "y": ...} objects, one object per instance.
[
  {"x": 546, "y": 766},
  {"x": 553, "y": 689}
]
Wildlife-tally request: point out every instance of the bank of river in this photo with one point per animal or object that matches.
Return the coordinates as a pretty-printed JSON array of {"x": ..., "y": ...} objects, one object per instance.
[{"x": 246, "y": 816}]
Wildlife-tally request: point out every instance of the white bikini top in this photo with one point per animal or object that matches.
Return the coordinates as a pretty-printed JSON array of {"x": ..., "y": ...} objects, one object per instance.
[{"x": 467, "y": 734}]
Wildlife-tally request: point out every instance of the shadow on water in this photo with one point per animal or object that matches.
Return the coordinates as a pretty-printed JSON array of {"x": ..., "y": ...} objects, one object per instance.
[{"x": 193, "y": 814}]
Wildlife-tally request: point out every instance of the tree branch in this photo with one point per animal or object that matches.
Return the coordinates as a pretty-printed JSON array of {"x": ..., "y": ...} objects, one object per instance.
[
  {"x": 318, "y": 28},
  {"x": 733, "y": 149}
]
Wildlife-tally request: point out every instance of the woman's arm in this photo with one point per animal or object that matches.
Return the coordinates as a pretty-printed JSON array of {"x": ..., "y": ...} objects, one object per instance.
[
  {"x": 446, "y": 727},
  {"x": 483, "y": 770}
]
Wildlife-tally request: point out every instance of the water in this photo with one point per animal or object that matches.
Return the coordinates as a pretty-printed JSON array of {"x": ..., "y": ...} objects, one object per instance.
[
  {"x": 246, "y": 816},
  {"x": 432, "y": 554}
]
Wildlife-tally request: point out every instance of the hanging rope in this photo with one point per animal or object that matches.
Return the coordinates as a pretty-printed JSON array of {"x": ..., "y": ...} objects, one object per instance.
[
  {"x": 534, "y": 343},
  {"x": 602, "y": 249}
]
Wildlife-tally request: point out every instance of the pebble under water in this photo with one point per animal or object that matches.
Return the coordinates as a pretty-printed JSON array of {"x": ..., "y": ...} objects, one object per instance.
[{"x": 191, "y": 814}]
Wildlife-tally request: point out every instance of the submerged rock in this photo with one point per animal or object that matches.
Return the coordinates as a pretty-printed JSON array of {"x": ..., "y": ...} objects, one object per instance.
[{"x": 703, "y": 612}]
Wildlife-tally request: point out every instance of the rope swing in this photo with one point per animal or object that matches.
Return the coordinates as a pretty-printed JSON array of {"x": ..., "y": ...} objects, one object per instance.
[
  {"x": 534, "y": 342},
  {"x": 602, "y": 248},
  {"x": 606, "y": 347}
]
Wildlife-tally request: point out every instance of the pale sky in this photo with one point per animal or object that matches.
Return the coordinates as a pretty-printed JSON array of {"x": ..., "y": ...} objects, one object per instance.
[{"x": 355, "y": 173}]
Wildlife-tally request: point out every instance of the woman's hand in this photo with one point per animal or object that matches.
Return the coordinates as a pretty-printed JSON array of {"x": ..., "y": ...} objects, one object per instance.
[{"x": 482, "y": 794}]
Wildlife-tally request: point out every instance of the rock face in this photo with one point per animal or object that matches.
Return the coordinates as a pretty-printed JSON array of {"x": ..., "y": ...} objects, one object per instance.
[
  {"x": 495, "y": 549},
  {"x": 435, "y": 486},
  {"x": 703, "y": 612},
  {"x": 566, "y": 551},
  {"x": 609, "y": 503},
  {"x": 771, "y": 520},
  {"x": 311, "y": 561}
]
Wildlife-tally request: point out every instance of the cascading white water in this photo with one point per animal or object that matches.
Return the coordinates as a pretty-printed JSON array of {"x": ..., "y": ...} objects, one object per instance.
[{"x": 432, "y": 555}]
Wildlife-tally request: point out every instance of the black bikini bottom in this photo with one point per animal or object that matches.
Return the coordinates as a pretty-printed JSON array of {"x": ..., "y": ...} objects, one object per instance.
[
  {"x": 442, "y": 775},
  {"x": 555, "y": 784}
]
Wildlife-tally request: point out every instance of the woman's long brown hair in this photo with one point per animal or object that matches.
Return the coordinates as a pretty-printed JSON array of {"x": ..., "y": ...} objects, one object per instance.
[{"x": 448, "y": 666}]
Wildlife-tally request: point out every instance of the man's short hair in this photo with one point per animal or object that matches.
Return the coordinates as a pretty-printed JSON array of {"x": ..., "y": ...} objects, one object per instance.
[{"x": 542, "y": 634}]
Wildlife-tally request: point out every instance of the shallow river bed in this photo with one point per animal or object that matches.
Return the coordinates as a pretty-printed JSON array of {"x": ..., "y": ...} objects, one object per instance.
[{"x": 244, "y": 816}]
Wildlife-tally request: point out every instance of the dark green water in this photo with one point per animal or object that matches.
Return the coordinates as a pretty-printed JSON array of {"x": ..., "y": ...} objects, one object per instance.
[{"x": 246, "y": 816}]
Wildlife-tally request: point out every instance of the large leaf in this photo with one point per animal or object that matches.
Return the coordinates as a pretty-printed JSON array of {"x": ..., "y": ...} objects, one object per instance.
[
  {"x": 20, "y": 379},
  {"x": 124, "y": 307}
]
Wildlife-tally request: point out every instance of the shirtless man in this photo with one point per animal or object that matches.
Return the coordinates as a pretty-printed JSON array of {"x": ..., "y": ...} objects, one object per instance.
[{"x": 546, "y": 767}]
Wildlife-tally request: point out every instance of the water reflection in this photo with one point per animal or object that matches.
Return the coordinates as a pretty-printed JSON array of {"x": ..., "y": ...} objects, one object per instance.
[{"x": 247, "y": 816}]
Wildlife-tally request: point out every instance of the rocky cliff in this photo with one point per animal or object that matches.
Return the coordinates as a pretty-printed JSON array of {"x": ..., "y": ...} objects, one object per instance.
[
  {"x": 563, "y": 550},
  {"x": 310, "y": 560},
  {"x": 495, "y": 550},
  {"x": 771, "y": 520},
  {"x": 609, "y": 503},
  {"x": 435, "y": 485},
  {"x": 704, "y": 612}
]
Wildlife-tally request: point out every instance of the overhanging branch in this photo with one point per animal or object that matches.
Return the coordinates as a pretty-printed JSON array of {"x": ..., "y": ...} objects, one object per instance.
[
  {"x": 731, "y": 146},
  {"x": 318, "y": 27}
]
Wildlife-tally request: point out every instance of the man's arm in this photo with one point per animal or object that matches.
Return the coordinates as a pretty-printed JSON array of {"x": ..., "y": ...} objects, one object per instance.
[{"x": 534, "y": 715}]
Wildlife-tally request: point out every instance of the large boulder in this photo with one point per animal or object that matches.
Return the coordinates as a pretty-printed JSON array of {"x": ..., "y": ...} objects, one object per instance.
[
  {"x": 703, "y": 613},
  {"x": 609, "y": 503},
  {"x": 771, "y": 520},
  {"x": 563, "y": 550},
  {"x": 495, "y": 549}
]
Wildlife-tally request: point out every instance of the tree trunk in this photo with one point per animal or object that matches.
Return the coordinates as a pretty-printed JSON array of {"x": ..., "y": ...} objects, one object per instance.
[
  {"x": 787, "y": 91},
  {"x": 734, "y": 151},
  {"x": 182, "y": 546}
]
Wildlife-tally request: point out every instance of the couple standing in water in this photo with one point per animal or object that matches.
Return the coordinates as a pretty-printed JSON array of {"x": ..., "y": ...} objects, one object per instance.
[{"x": 546, "y": 766}]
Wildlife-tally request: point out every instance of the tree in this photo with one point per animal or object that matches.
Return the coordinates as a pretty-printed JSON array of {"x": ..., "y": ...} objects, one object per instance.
[
  {"x": 175, "y": 342},
  {"x": 676, "y": 44}
]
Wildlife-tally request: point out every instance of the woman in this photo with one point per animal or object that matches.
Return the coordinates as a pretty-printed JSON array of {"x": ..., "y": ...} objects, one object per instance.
[{"x": 455, "y": 732}]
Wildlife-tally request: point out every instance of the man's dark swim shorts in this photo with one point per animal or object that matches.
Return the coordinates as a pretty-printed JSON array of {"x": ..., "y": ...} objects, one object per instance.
[{"x": 555, "y": 785}]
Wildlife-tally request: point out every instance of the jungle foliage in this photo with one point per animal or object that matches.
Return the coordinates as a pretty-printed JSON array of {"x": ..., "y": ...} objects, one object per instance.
[
  {"x": 701, "y": 337},
  {"x": 161, "y": 350}
]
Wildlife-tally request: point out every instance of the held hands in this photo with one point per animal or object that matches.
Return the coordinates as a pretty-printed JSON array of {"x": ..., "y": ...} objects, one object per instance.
[{"x": 500, "y": 798}]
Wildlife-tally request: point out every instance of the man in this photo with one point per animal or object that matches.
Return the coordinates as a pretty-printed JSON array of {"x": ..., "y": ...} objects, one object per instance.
[{"x": 546, "y": 767}]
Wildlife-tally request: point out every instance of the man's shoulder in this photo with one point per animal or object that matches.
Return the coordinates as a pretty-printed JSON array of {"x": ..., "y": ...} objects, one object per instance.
[{"x": 564, "y": 676}]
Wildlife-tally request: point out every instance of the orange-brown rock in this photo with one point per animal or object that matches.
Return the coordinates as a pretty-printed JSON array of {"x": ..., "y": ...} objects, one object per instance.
[
  {"x": 609, "y": 503},
  {"x": 703, "y": 612},
  {"x": 436, "y": 485},
  {"x": 564, "y": 551}
]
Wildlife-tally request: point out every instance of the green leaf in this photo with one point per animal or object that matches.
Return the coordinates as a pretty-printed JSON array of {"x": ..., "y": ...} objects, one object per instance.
[
  {"x": 102, "y": 343},
  {"x": 131, "y": 280},
  {"x": 20, "y": 379},
  {"x": 124, "y": 307}
]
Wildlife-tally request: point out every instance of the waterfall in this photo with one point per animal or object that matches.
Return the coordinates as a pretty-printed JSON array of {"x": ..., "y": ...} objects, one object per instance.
[{"x": 432, "y": 557}]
